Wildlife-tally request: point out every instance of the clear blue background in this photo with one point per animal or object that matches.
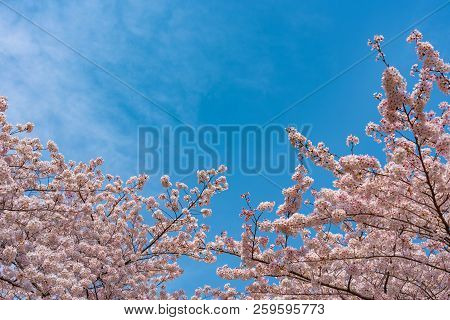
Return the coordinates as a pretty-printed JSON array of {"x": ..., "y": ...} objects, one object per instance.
[{"x": 207, "y": 62}]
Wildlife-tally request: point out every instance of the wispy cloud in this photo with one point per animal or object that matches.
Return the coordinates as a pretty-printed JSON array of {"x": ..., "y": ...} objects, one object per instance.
[{"x": 85, "y": 111}]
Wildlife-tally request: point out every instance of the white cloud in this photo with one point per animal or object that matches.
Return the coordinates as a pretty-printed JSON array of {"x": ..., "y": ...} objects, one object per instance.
[{"x": 73, "y": 102}]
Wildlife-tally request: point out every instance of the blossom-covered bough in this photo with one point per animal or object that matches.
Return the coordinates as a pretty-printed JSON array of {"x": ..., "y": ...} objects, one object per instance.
[
  {"x": 68, "y": 231},
  {"x": 382, "y": 231}
]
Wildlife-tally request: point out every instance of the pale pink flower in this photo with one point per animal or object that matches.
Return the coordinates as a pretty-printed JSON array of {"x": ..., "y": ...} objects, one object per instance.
[{"x": 165, "y": 181}]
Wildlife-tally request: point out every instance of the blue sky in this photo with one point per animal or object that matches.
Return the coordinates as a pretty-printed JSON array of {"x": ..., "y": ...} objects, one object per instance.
[{"x": 215, "y": 62}]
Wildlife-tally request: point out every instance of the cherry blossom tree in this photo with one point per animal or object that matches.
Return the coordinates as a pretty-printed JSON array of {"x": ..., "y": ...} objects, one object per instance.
[
  {"x": 382, "y": 230},
  {"x": 68, "y": 231}
]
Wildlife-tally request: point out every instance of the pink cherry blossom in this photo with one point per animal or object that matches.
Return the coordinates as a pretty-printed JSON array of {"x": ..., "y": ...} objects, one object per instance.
[
  {"x": 381, "y": 231},
  {"x": 69, "y": 231}
]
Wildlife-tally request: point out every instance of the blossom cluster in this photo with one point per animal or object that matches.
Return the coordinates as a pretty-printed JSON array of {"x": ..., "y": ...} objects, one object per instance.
[
  {"x": 69, "y": 231},
  {"x": 382, "y": 230}
]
